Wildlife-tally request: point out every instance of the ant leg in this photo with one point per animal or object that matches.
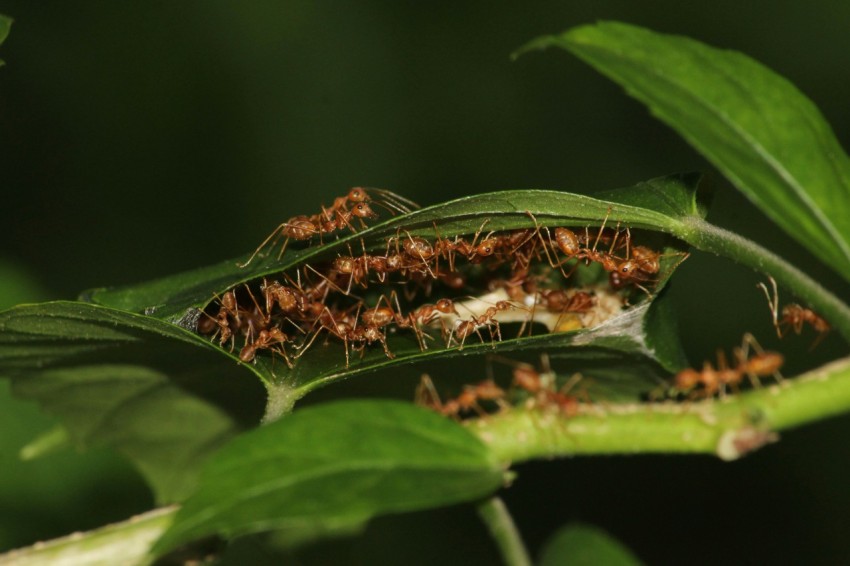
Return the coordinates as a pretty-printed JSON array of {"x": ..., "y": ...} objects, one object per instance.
[
  {"x": 383, "y": 340},
  {"x": 539, "y": 235},
  {"x": 276, "y": 232},
  {"x": 772, "y": 303},
  {"x": 402, "y": 204},
  {"x": 477, "y": 234},
  {"x": 305, "y": 345},
  {"x": 328, "y": 281},
  {"x": 601, "y": 228},
  {"x": 426, "y": 394}
]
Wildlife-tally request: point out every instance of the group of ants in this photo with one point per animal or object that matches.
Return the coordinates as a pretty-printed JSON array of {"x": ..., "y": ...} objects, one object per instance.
[{"x": 321, "y": 300}]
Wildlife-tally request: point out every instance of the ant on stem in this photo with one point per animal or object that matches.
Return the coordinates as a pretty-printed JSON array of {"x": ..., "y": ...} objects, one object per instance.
[
  {"x": 467, "y": 401},
  {"x": 711, "y": 380}
]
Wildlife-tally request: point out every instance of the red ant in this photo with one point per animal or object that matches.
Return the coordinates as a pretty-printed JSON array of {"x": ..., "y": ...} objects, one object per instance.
[
  {"x": 266, "y": 339},
  {"x": 794, "y": 316},
  {"x": 351, "y": 333},
  {"x": 713, "y": 380},
  {"x": 423, "y": 315},
  {"x": 336, "y": 217},
  {"x": 468, "y": 400},
  {"x": 220, "y": 324},
  {"x": 540, "y": 384},
  {"x": 465, "y": 328}
]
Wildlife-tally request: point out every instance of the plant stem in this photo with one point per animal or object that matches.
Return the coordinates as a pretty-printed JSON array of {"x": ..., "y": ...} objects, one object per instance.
[
  {"x": 711, "y": 238},
  {"x": 127, "y": 542},
  {"x": 727, "y": 428},
  {"x": 501, "y": 525}
]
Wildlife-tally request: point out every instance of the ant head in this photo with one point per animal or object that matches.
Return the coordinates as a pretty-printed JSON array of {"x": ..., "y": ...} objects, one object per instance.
[
  {"x": 486, "y": 247},
  {"x": 358, "y": 194},
  {"x": 627, "y": 268},
  {"x": 363, "y": 210},
  {"x": 446, "y": 306}
]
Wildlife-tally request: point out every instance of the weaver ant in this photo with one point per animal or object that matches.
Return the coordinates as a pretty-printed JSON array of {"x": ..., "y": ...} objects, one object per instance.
[
  {"x": 712, "y": 380},
  {"x": 794, "y": 316},
  {"x": 266, "y": 339},
  {"x": 463, "y": 329},
  {"x": 220, "y": 325},
  {"x": 424, "y": 315},
  {"x": 337, "y": 217},
  {"x": 541, "y": 384},
  {"x": 350, "y": 332},
  {"x": 468, "y": 400}
]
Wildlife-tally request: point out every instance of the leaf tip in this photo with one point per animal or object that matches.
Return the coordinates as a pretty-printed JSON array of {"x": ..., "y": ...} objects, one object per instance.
[
  {"x": 5, "y": 25},
  {"x": 536, "y": 44}
]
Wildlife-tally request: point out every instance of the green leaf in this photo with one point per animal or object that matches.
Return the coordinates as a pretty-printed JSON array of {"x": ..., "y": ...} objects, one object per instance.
[
  {"x": 625, "y": 360},
  {"x": 155, "y": 392},
  {"x": 662, "y": 204},
  {"x": 585, "y": 545},
  {"x": 757, "y": 128},
  {"x": 614, "y": 355},
  {"x": 5, "y": 27},
  {"x": 334, "y": 467}
]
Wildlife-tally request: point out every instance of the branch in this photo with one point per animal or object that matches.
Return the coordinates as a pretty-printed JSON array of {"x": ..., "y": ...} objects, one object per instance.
[{"x": 727, "y": 428}]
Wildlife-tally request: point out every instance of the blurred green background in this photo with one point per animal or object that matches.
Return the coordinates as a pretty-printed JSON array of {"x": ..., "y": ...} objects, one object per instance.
[{"x": 138, "y": 139}]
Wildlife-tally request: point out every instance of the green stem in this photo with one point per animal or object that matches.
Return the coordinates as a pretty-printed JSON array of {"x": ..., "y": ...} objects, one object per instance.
[
  {"x": 127, "y": 542},
  {"x": 727, "y": 428},
  {"x": 710, "y": 238},
  {"x": 501, "y": 525}
]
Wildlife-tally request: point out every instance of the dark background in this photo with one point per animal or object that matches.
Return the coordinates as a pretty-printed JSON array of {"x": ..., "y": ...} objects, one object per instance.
[{"x": 138, "y": 139}]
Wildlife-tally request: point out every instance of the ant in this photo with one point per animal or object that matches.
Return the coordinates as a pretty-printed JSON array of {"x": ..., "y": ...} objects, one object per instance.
[
  {"x": 794, "y": 316},
  {"x": 336, "y": 217},
  {"x": 228, "y": 307},
  {"x": 464, "y": 328},
  {"x": 713, "y": 380},
  {"x": 424, "y": 315},
  {"x": 468, "y": 400},
  {"x": 575, "y": 247},
  {"x": 266, "y": 339},
  {"x": 541, "y": 384},
  {"x": 351, "y": 334}
]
